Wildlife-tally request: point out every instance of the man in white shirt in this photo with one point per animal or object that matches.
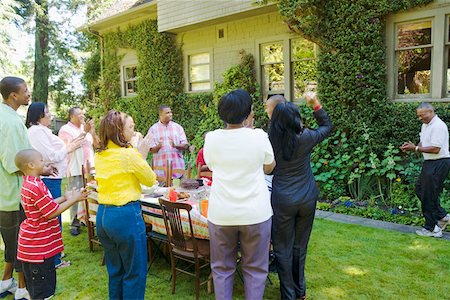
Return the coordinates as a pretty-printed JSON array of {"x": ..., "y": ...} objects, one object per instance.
[
  {"x": 76, "y": 128},
  {"x": 434, "y": 147}
]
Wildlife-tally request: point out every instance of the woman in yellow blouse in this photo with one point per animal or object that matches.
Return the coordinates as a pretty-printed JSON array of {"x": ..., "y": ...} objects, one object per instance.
[{"x": 120, "y": 169}]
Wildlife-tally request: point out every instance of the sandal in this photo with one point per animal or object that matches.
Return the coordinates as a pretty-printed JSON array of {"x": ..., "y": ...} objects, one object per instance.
[{"x": 62, "y": 264}]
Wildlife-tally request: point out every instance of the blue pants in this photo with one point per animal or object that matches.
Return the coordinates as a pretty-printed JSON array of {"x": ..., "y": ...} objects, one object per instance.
[
  {"x": 121, "y": 231},
  {"x": 54, "y": 186}
]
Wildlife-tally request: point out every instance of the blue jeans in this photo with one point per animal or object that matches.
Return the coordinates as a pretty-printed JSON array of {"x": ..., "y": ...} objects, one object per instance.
[
  {"x": 54, "y": 186},
  {"x": 121, "y": 231}
]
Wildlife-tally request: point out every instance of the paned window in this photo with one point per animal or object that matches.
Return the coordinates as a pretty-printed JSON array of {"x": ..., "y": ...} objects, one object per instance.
[
  {"x": 199, "y": 72},
  {"x": 272, "y": 69},
  {"x": 129, "y": 80},
  {"x": 303, "y": 62},
  {"x": 413, "y": 55}
]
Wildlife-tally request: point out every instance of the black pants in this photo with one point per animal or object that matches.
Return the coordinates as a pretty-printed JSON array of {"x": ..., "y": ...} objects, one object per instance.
[
  {"x": 291, "y": 229},
  {"x": 40, "y": 278},
  {"x": 428, "y": 188}
]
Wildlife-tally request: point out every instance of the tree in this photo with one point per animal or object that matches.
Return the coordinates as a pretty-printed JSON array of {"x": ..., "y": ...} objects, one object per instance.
[
  {"x": 41, "y": 58},
  {"x": 8, "y": 17}
]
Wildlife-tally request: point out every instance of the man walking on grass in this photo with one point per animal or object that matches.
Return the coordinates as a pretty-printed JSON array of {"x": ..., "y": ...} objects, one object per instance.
[{"x": 434, "y": 147}]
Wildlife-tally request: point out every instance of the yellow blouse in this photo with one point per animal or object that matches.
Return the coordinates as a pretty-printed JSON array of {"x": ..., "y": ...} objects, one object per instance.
[{"x": 119, "y": 173}]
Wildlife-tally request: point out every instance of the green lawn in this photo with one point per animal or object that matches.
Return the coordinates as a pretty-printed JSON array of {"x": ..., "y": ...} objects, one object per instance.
[{"x": 344, "y": 262}]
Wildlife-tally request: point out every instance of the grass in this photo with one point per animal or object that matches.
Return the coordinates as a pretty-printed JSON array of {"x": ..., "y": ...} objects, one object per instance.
[{"x": 344, "y": 262}]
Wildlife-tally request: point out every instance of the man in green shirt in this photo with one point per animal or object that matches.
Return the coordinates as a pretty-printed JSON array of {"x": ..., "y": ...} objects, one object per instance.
[{"x": 13, "y": 136}]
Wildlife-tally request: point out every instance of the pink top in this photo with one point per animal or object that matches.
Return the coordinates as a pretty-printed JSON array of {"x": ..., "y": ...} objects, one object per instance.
[{"x": 166, "y": 133}]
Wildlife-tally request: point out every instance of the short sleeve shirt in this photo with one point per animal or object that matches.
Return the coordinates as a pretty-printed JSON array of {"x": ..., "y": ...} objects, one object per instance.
[
  {"x": 435, "y": 134},
  {"x": 39, "y": 237},
  {"x": 239, "y": 194},
  {"x": 14, "y": 137}
]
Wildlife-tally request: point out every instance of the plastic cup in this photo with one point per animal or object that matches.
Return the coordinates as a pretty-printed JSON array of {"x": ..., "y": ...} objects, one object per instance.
[
  {"x": 173, "y": 196},
  {"x": 204, "y": 207}
]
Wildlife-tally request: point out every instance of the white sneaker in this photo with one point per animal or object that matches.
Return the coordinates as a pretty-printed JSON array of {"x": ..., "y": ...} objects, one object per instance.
[
  {"x": 10, "y": 289},
  {"x": 22, "y": 294},
  {"x": 442, "y": 223},
  {"x": 437, "y": 232}
]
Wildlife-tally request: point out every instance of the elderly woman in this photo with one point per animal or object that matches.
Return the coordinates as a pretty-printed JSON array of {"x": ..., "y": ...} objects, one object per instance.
[
  {"x": 120, "y": 169},
  {"x": 239, "y": 210},
  {"x": 294, "y": 191},
  {"x": 52, "y": 148}
]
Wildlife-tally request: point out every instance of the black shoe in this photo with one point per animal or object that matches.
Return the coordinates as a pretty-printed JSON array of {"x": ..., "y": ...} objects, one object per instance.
[{"x": 74, "y": 231}]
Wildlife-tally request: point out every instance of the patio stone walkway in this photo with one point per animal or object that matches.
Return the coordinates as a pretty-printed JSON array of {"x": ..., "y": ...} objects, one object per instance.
[{"x": 370, "y": 223}]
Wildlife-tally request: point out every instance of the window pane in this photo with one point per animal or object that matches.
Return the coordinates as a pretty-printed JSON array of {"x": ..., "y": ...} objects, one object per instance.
[
  {"x": 130, "y": 87},
  {"x": 414, "y": 71},
  {"x": 201, "y": 86},
  {"x": 448, "y": 70},
  {"x": 199, "y": 73},
  {"x": 273, "y": 77},
  {"x": 130, "y": 73},
  {"x": 202, "y": 58},
  {"x": 304, "y": 73},
  {"x": 414, "y": 34},
  {"x": 301, "y": 49},
  {"x": 272, "y": 53}
]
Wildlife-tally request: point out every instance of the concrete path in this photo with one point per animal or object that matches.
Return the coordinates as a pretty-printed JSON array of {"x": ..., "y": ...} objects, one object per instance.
[{"x": 370, "y": 223}]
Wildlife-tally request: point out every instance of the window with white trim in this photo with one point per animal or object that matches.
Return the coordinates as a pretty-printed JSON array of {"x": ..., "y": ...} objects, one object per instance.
[
  {"x": 129, "y": 80},
  {"x": 303, "y": 66},
  {"x": 199, "y": 72}
]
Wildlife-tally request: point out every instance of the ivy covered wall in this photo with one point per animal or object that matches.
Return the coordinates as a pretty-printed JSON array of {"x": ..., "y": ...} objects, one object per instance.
[{"x": 159, "y": 72}]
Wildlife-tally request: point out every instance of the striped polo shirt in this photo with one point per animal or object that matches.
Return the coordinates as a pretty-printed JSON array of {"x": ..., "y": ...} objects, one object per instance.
[{"x": 39, "y": 237}]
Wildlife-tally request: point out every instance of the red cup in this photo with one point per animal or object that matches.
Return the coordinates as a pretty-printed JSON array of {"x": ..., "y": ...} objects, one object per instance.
[{"x": 173, "y": 195}]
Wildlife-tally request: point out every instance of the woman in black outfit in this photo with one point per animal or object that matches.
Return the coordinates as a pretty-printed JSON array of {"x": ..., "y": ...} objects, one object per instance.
[{"x": 294, "y": 191}]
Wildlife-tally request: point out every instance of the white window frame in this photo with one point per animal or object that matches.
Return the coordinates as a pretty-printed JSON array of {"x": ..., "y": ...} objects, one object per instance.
[
  {"x": 439, "y": 14},
  {"x": 125, "y": 93},
  {"x": 188, "y": 68}
]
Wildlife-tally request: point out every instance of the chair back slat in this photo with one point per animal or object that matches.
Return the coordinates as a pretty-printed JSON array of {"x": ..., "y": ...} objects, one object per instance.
[
  {"x": 166, "y": 169},
  {"x": 178, "y": 237}
]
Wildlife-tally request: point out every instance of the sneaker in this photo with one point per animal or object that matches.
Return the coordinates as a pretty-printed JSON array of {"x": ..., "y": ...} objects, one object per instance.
[
  {"x": 22, "y": 294},
  {"x": 74, "y": 231},
  {"x": 442, "y": 223},
  {"x": 10, "y": 289},
  {"x": 437, "y": 232}
]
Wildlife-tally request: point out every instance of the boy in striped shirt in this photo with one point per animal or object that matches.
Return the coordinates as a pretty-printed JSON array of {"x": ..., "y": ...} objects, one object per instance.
[{"x": 40, "y": 235}]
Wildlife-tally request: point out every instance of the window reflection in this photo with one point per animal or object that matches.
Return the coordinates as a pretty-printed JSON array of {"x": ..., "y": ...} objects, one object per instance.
[
  {"x": 414, "y": 71},
  {"x": 303, "y": 54},
  {"x": 414, "y": 34},
  {"x": 130, "y": 75},
  {"x": 272, "y": 68}
]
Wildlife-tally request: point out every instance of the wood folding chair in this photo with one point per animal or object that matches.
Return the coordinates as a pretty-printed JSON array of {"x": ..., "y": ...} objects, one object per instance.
[
  {"x": 184, "y": 173},
  {"x": 163, "y": 180},
  {"x": 183, "y": 245},
  {"x": 91, "y": 206}
]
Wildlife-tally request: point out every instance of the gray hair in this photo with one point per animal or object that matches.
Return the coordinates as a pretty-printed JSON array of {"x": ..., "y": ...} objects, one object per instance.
[{"x": 425, "y": 105}]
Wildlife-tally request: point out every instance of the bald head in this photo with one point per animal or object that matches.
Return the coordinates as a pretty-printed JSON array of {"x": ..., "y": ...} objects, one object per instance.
[
  {"x": 25, "y": 157},
  {"x": 272, "y": 102}
]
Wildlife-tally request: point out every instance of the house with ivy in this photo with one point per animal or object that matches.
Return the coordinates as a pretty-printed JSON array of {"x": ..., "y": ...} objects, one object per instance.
[{"x": 372, "y": 60}]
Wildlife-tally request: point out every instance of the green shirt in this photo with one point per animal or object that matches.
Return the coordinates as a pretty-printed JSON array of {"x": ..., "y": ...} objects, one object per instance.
[{"x": 13, "y": 137}]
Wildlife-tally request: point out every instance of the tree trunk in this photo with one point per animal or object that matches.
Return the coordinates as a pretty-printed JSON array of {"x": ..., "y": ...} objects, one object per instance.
[{"x": 41, "y": 59}]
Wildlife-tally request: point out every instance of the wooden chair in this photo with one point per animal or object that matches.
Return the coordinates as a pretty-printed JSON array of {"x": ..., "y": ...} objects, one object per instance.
[
  {"x": 183, "y": 245},
  {"x": 184, "y": 173},
  {"x": 201, "y": 173},
  {"x": 163, "y": 180},
  {"x": 157, "y": 242},
  {"x": 91, "y": 206}
]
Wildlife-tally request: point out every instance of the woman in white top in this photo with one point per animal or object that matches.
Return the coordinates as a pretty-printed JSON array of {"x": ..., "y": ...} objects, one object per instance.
[
  {"x": 239, "y": 205},
  {"x": 51, "y": 147}
]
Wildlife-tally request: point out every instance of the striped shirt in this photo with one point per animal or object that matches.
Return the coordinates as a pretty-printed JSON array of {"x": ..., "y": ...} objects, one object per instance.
[
  {"x": 39, "y": 237},
  {"x": 165, "y": 134}
]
